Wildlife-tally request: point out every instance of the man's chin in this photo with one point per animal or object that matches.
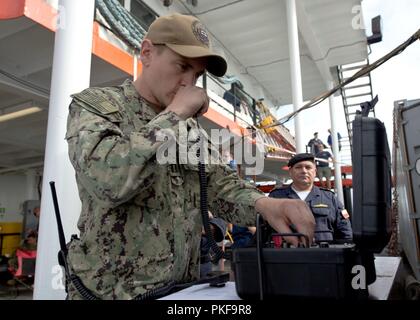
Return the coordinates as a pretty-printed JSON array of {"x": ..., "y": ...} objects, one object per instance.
[{"x": 306, "y": 183}]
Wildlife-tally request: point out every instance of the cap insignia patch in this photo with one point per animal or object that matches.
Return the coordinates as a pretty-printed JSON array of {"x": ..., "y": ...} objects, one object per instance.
[{"x": 200, "y": 33}]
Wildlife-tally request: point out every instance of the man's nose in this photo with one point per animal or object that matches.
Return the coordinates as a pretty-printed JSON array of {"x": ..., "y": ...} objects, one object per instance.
[{"x": 189, "y": 79}]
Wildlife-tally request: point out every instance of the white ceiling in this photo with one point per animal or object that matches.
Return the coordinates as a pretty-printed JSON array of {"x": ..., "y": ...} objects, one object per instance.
[{"x": 255, "y": 34}]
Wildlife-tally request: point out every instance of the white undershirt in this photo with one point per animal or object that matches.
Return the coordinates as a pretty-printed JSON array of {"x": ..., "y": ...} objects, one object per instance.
[{"x": 302, "y": 194}]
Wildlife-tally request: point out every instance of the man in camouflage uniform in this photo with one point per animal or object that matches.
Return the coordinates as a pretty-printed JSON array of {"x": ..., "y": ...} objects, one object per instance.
[
  {"x": 140, "y": 225},
  {"x": 332, "y": 220}
]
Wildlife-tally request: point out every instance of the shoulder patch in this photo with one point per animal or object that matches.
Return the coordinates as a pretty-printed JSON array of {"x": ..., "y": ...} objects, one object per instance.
[
  {"x": 96, "y": 100},
  {"x": 345, "y": 214}
]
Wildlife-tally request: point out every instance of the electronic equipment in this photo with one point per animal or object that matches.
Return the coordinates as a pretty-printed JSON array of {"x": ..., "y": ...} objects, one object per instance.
[{"x": 272, "y": 269}]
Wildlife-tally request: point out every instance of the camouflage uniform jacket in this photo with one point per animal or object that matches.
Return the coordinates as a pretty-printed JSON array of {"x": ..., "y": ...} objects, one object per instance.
[{"x": 140, "y": 225}]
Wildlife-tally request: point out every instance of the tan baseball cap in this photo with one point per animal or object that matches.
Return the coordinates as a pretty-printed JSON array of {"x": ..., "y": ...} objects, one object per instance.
[{"x": 186, "y": 36}]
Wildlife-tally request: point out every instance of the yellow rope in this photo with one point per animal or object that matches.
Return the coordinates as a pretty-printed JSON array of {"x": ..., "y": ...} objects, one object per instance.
[{"x": 229, "y": 236}]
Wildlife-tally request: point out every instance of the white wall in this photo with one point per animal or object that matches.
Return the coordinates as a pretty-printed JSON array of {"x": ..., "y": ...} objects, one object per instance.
[{"x": 14, "y": 190}]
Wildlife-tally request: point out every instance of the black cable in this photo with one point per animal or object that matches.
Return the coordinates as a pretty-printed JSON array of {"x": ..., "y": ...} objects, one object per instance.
[
  {"x": 81, "y": 289},
  {"x": 157, "y": 293},
  {"x": 315, "y": 101},
  {"x": 260, "y": 258},
  {"x": 215, "y": 252}
]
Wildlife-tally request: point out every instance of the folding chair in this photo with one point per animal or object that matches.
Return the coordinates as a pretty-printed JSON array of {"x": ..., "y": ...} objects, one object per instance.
[{"x": 25, "y": 272}]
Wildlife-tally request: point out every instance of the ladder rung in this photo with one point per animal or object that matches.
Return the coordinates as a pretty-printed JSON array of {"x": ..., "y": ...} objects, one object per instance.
[
  {"x": 357, "y": 86},
  {"x": 358, "y": 95},
  {"x": 360, "y": 66},
  {"x": 365, "y": 75}
]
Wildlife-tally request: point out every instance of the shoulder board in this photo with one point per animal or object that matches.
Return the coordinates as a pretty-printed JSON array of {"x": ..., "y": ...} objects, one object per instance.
[
  {"x": 97, "y": 100},
  {"x": 279, "y": 187},
  {"x": 324, "y": 189}
]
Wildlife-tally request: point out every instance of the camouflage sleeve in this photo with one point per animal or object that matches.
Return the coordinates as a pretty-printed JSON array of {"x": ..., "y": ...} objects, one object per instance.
[
  {"x": 343, "y": 228},
  {"x": 113, "y": 166},
  {"x": 232, "y": 198}
]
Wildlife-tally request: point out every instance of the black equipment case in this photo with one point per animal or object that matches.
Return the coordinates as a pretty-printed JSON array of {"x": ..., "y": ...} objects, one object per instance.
[
  {"x": 298, "y": 272},
  {"x": 371, "y": 221}
]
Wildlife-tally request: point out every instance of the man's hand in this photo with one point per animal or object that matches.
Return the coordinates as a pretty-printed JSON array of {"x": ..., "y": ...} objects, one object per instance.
[
  {"x": 281, "y": 213},
  {"x": 189, "y": 101}
]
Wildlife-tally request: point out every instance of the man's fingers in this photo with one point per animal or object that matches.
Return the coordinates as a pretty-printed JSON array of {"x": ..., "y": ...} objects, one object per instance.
[
  {"x": 307, "y": 225},
  {"x": 309, "y": 235},
  {"x": 303, "y": 222},
  {"x": 282, "y": 227},
  {"x": 287, "y": 216}
]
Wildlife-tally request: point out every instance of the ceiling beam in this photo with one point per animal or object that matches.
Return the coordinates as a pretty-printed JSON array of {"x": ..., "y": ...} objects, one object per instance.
[
  {"x": 312, "y": 42},
  {"x": 12, "y": 26},
  {"x": 21, "y": 144},
  {"x": 21, "y": 89},
  {"x": 21, "y": 167},
  {"x": 26, "y": 124},
  {"x": 41, "y": 60}
]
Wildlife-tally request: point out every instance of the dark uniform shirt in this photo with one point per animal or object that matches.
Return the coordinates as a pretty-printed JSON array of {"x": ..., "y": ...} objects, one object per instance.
[
  {"x": 323, "y": 155},
  {"x": 313, "y": 144},
  {"x": 331, "y": 221}
]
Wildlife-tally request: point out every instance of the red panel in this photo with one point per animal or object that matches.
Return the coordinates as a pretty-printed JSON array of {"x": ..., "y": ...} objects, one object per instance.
[
  {"x": 10, "y": 9},
  {"x": 42, "y": 13}
]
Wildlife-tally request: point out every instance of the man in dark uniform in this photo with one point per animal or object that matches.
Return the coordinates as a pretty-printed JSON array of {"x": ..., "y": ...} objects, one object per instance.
[
  {"x": 314, "y": 144},
  {"x": 332, "y": 220}
]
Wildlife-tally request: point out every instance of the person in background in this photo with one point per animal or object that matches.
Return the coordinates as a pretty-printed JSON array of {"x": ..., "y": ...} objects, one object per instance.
[
  {"x": 329, "y": 140},
  {"x": 232, "y": 97},
  {"x": 314, "y": 143},
  {"x": 28, "y": 244},
  {"x": 241, "y": 236},
  {"x": 36, "y": 212},
  {"x": 332, "y": 220},
  {"x": 323, "y": 167}
]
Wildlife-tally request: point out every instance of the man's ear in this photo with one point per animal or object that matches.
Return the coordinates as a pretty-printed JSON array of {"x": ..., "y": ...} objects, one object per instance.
[{"x": 146, "y": 52}]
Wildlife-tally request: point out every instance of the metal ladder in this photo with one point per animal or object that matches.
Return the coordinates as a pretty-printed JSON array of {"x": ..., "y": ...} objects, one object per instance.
[{"x": 353, "y": 94}]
